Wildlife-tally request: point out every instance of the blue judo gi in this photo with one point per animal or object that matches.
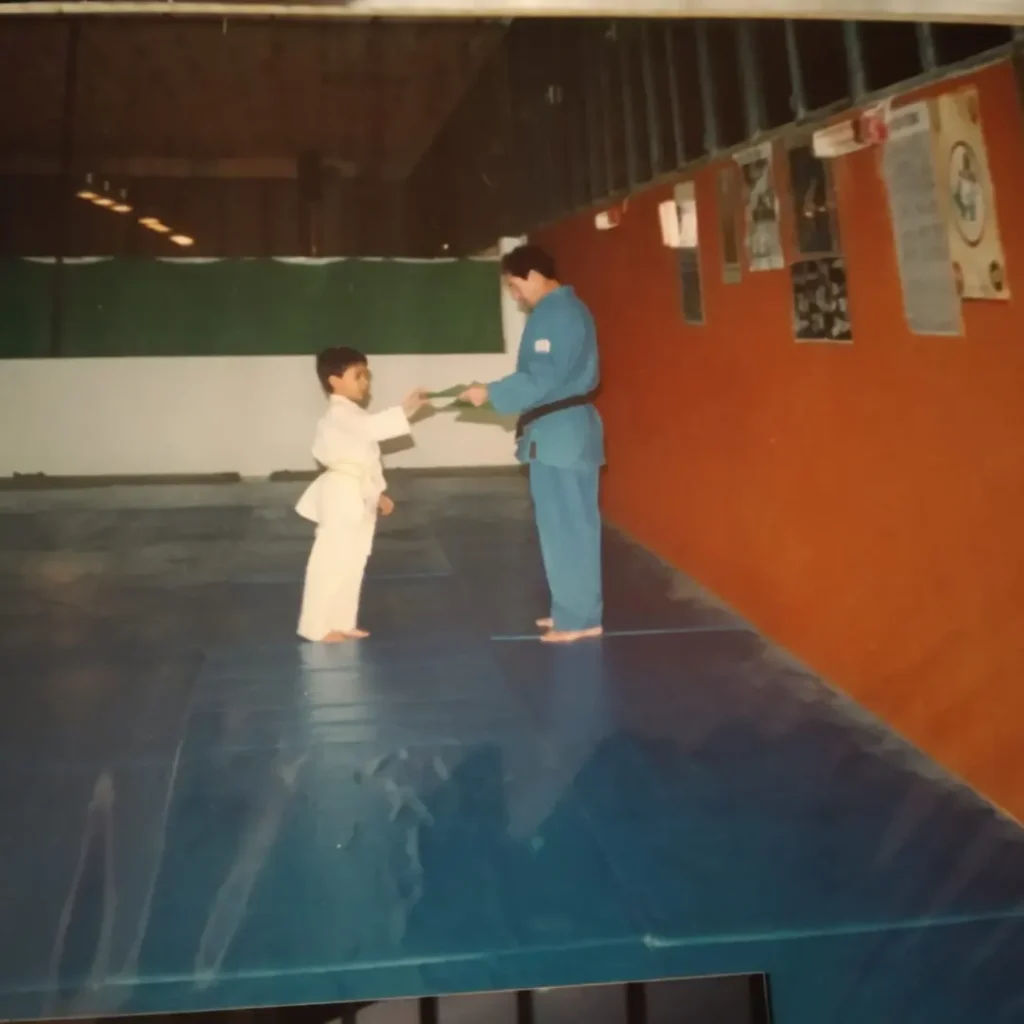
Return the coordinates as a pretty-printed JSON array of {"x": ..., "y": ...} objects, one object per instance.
[{"x": 564, "y": 450}]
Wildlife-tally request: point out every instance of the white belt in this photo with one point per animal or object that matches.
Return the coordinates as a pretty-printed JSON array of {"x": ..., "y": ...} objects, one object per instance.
[{"x": 354, "y": 469}]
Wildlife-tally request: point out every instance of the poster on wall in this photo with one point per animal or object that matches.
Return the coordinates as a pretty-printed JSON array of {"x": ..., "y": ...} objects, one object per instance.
[
  {"x": 689, "y": 278},
  {"x": 729, "y": 223},
  {"x": 814, "y": 215},
  {"x": 689, "y": 253},
  {"x": 821, "y": 310},
  {"x": 930, "y": 300},
  {"x": 761, "y": 209},
  {"x": 968, "y": 197},
  {"x": 1018, "y": 72}
]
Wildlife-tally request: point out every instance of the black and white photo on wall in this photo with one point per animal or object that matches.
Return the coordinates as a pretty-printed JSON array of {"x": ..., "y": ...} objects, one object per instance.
[
  {"x": 760, "y": 199},
  {"x": 821, "y": 308},
  {"x": 813, "y": 203}
]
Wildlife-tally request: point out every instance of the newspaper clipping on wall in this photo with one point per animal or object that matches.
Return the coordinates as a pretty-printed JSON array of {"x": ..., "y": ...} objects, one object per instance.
[{"x": 930, "y": 299}]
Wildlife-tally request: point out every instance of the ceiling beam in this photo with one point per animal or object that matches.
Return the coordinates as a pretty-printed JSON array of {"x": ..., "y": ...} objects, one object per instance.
[{"x": 994, "y": 11}]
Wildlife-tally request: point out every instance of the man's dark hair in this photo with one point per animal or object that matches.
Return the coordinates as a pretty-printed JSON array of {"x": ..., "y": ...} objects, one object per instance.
[
  {"x": 519, "y": 262},
  {"x": 333, "y": 362}
]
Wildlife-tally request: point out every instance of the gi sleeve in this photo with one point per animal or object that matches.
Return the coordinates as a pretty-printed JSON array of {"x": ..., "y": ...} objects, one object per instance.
[
  {"x": 544, "y": 370},
  {"x": 384, "y": 425}
]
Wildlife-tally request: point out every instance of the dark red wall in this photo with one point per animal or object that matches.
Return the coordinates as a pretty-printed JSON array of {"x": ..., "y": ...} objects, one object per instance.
[{"x": 863, "y": 505}]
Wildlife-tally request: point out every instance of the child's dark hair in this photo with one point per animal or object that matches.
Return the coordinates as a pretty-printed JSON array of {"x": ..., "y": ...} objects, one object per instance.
[{"x": 333, "y": 362}]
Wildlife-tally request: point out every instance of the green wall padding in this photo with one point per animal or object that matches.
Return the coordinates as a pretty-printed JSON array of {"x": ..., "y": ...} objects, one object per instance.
[
  {"x": 257, "y": 307},
  {"x": 26, "y": 304}
]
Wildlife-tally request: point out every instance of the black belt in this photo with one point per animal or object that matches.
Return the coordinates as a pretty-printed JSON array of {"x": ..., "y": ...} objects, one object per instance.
[{"x": 546, "y": 410}]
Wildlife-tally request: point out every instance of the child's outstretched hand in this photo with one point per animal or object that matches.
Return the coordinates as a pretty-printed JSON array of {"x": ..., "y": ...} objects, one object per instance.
[
  {"x": 385, "y": 505},
  {"x": 414, "y": 401}
]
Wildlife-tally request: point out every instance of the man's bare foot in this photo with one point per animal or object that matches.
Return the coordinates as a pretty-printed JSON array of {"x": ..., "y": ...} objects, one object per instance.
[
  {"x": 545, "y": 623},
  {"x": 357, "y": 634},
  {"x": 570, "y": 636},
  {"x": 335, "y": 637}
]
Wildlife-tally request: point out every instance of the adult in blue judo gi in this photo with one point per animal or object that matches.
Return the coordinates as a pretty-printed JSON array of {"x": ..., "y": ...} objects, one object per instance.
[{"x": 559, "y": 436}]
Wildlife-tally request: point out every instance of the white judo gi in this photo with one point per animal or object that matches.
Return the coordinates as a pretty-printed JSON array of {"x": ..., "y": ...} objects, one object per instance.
[{"x": 343, "y": 502}]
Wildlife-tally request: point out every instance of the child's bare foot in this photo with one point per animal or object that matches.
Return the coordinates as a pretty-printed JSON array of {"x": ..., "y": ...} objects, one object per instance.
[
  {"x": 570, "y": 636},
  {"x": 335, "y": 637},
  {"x": 545, "y": 623},
  {"x": 357, "y": 634}
]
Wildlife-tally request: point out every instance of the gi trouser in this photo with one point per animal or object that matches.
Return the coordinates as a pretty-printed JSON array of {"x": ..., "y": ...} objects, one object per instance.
[
  {"x": 565, "y": 502},
  {"x": 346, "y": 523}
]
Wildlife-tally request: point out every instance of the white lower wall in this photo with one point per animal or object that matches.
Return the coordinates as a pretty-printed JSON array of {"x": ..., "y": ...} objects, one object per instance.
[{"x": 197, "y": 415}]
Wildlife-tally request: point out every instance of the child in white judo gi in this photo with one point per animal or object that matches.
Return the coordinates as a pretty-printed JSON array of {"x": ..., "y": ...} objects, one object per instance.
[{"x": 345, "y": 499}]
